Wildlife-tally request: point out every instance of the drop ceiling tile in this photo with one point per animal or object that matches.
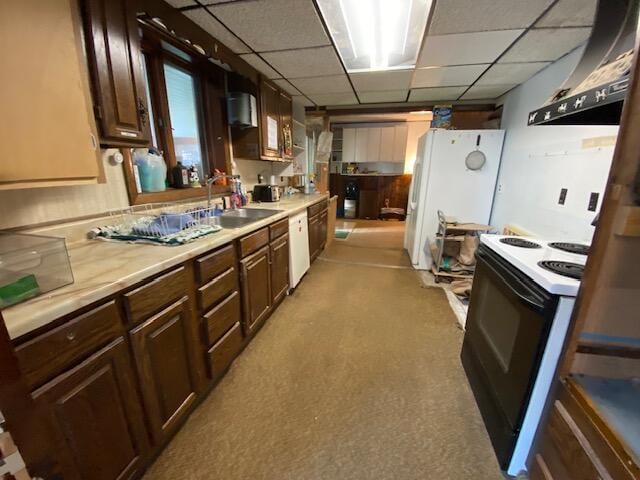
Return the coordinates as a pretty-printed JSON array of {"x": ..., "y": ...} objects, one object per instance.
[
  {"x": 381, "y": 81},
  {"x": 287, "y": 87},
  {"x": 326, "y": 84},
  {"x": 570, "y": 13},
  {"x": 386, "y": 96},
  {"x": 460, "y": 16},
  {"x": 334, "y": 99},
  {"x": 508, "y": 73},
  {"x": 546, "y": 44},
  {"x": 273, "y": 24},
  {"x": 181, "y": 3},
  {"x": 435, "y": 94},
  {"x": 302, "y": 100},
  {"x": 486, "y": 92},
  {"x": 256, "y": 62},
  {"x": 465, "y": 48},
  {"x": 447, "y": 76},
  {"x": 218, "y": 31},
  {"x": 308, "y": 62}
]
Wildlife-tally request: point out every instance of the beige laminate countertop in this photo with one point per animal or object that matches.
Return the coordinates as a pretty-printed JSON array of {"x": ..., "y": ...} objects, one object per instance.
[{"x": 103, "y": 268}]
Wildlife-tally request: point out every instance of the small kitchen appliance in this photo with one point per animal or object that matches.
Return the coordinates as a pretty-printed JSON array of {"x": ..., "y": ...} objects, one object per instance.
[
  {"x": 523, "y": 294},
  {"x": 266, "y": 193}
]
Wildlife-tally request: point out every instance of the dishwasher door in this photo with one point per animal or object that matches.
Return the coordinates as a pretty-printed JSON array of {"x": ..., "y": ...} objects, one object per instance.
[{"x": 298, "y": 248}]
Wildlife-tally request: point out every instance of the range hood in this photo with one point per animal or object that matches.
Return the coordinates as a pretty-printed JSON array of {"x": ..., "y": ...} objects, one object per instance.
[{"x": 595, "y": 91}]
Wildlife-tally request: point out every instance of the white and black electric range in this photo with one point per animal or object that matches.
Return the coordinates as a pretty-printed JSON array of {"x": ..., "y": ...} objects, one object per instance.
[{"x": 523, "y": 294}]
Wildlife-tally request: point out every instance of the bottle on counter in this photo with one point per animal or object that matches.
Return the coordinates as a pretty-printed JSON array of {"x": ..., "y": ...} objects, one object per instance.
[{"x": 180, "y": 176}]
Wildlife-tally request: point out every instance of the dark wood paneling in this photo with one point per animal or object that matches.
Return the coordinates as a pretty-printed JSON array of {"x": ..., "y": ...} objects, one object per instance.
[
  {"x": 222, "y": 353},
  {"x": 164, "y": 364},
  {"x": 279, "y": 269},
  {"x": 100, "y": 427},
  {"x": 215, "y": 263},
  {"x": 47, "y": 355},
  {"x": 277, "y": 229},
  {"x": 393, "y": 188},
  {"x": 154, "y": 295},
  {"x": 220, "y": 318},
  {"x": 217, "y": 289},
  {"x": 253, "y": 242},
  {"x": 113, "y": 45},
  {"x": 255, "y": 278}
]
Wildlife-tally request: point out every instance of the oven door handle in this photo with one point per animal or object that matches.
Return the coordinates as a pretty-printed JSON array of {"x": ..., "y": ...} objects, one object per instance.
[{"x": 528, "y": 299}]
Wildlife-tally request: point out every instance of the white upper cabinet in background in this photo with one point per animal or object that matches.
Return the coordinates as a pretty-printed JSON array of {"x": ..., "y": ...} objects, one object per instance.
[
  {"x": 374, "y": 144},
  {"x": 386, "y": 144},
  {"x": 399, "y": 143}
]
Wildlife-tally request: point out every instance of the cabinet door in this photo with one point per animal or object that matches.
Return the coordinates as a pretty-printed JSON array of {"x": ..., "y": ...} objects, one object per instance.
[
  {"x": 387, "y": 135},
  {"x": 400, "y": 143},
  {"x": 98, "y": 416},
  {"x": 270, "y": 125},
  {"x": 322, "y": 230},
  {"x": 314, "y": 237},
  {"x": 286, "y": 115},
  {"x": 279, "y": 268},
  {"x": 47, "y": 133},
  {"x": 167, "y": 375},
  {"x": 348, "y": 145},
  {"x": 373, "y": 145},
  {"x": 362, "y": 142},
  {"x": 256, "y": 288},
  {"x": 113, "y": 48}
]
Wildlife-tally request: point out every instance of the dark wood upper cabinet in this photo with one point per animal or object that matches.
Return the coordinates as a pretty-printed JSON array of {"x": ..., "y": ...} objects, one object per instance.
[
  {"x": 279, "y": 268},
  {"x": 217, "y": 133},
  {"x": 164, "y": 362},
  {"x": 113, "y": 50},
  {"x": 97, "y": 417},
  {"x": 286, "y": 125},
  {"x": 270, "y": 121},
  {"x": 255, "y": 277}
]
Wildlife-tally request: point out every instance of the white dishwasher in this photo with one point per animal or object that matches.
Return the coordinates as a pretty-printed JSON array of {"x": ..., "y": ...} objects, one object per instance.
[{"x": 298, "y": 248}]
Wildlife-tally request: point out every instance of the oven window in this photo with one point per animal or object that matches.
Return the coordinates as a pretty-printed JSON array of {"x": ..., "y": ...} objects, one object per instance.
[{"x": 499, "y": 322}]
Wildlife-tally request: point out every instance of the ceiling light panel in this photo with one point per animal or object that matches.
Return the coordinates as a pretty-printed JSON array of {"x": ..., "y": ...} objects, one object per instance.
[
  {"x": 205, "y": 20},
  {"x": 256, "y": 62},
  {"x": 503, "y": 73},
  {"x": 308, "y": 62},
  {"x": 381, "y": 81},
  {"x": 376, "y": 35},
  {"x": 447, "y": 76},
  {"x": 465, "y": 48},
  {"x": 379, "y": 97},
  {"x": 267, "y": 25},
  {"x": 435, "y": 94},
  {"x": 328, "y": 84},
  {"x": 334, "y": 99},
  {"x": 460, "y": 16},
  {"x": 546, "y": 44}
]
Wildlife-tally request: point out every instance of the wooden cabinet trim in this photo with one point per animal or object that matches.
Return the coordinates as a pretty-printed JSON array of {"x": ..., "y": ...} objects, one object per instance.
[
  {"x": 48, "y": 354},
  {"x": 151, "y": 297},
  {"x": 163, "y": 422},
  {"x": 218, "y": 288},
  {"x": 219, "y": 319},
  {"x": 213, "y": 264},
  {"x": 222, "y": 354}
]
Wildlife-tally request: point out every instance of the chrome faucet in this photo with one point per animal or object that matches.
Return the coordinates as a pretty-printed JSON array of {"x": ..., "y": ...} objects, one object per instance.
[{"x": 210, "y": 181}]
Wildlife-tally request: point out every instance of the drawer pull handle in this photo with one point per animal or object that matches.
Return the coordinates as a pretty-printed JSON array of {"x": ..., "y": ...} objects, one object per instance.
[{"x": 71, "y": 336}]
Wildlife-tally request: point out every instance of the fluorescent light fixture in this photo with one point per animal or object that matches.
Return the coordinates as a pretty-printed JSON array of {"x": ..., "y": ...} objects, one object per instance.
[
  {"x": 376, "y": 35},
  {"x": 420, "y": 112}
]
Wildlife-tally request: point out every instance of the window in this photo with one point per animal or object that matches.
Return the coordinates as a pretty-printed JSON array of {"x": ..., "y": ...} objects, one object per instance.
[{"x": 183, "y": 115}]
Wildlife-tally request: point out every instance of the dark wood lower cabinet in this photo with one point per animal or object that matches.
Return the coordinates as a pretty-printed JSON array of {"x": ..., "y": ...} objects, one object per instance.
[
  {"x": 279, "y": 269},
  {"x": 97, "y": 416},
  {"x": 317, "y": 230},
  {"x": 255, "y": 278},
  {"x": 164, "y": 363}
]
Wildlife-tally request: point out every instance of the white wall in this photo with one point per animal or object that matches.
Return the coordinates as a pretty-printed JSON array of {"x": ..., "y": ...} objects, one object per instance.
[{"x": 538, "y": 161}]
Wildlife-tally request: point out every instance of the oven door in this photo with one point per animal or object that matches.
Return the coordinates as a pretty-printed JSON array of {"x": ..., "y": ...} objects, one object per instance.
[{"x": 507, "y": 326}]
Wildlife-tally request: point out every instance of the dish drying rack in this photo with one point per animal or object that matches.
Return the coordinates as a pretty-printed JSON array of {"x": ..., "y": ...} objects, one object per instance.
[{"x": 165, "y": 224}]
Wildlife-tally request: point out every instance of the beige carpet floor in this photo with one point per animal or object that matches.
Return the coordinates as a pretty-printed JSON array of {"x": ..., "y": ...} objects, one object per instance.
[{"x": 356, "y": 376}]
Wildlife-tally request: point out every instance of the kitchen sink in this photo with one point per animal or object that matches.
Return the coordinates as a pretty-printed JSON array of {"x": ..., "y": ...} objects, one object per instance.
[{"x": 241, "y": 217}]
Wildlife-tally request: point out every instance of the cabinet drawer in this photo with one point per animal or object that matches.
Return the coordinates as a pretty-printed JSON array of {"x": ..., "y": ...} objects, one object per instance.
[
  {"x": 215, "y": 263},
  {"x": 150, "y": 298},
  {"x": 56, "y": 350},
  {"x": 253, "y": 242},
  {"x": 219, "y": 319},
  {"x": 217, "y": 288},
  {"x": 222, "y": 353},
  {"x": 317, "y": 208},
  {"x": 278, "y": 229}
]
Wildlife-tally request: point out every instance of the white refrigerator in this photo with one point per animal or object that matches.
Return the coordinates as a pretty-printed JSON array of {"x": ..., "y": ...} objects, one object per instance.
[{"x": 448, "y": 176}]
